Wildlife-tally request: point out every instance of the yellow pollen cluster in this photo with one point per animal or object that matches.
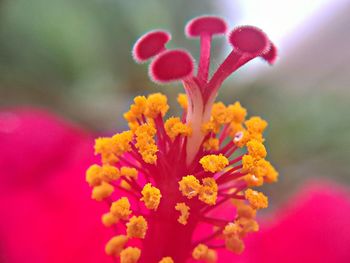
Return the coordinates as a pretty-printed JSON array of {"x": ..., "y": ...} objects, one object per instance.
[
  {"x": 137, "y": 110},
  {"x": 236, "y": 112},
  {"x": 184, "y": 212},
  {"x": 120, "y": 209},
  {"x": 233, "y": 115},
  {"x": 102, "y": 191},
  {"x": 146, "y": 108},
  {"x": 202, "y": 252},
  {"x": 189, "y": 186},
  {"x": 244, "y": 224},
  {"x": 111, "y": 148},
  {"x": 128, "y": 172},
  {"x": 96, "y": 174},
  {"x": 258, "y": 171},
  {"x": 211, "y": 144},
  {"x": 175, "y": 127},
  {"x": 256, "y": 126},
  {"x": 130, "y": 255},
  {"x": 256, "y": 199},
  {"x": 141, "y": 156},
  {"x": 99, "y": 178},
  {"x": 166, "y": 260},
  {"x": 136, "y": 227},
  {"x": 157, "y": 104},
  {"x": 182, "y": 100},
  {"x": 151, "y": 196},
  {"x": 208, "y": 193},
  {"x": 244, "y": 210},
  {"x": 256, "y": 149},
  {"x": 115, "y": 245},
  {"x": 214, "y": 163},
  {"x": 145, "y": 143},
  {"x": 233, "y": 242}
]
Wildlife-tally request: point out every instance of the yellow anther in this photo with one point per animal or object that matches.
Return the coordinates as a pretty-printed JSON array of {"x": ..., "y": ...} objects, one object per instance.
[
  {"x": 256, "y": 125},
  {"x": 232, "y": 235},
  {"x": 157, "y": 104},
  {"x": 175, "y": 127},
  {"x": 145, "y": 143},
  {"x": 231, "y": 229},
  {"x": 245, "y": 211},
  {"x": 235, "y": 128},
  {"x": 208, "y": 193},
  {"x": 236, "y": 112},
  {"x": 121, "y": 142},
  {"x": 151, "y": 196},
  {"x": 256, "y": 199},
  {"x": 109, "y": 219},
  {"x": 166, "y": 260},
  {"x": 271, "y": 174},
  {"x": 248, "y": 225},
  {"x": 121, "y": 208},
  {"x": 103, "y": 145},
  {"x": 182, "y": 100},
  {"x": 253, "y": 180},
  {"x": 130, "y": 255},
  {"x": 136, "y": 227},
  {"x": 93, "y": 175},
  {"x": 202, "y": 252},
  {"x": 136, "y": 110},
  {"x": 234, "y": 244},
  {"x": 129, "y": 172},
  {"x": 189, "y": 186},
  {"x": 219, "y": 113},
  {"x": 214, "y": 163},
  {"x": 111, "y": 148},
  {"x": 210, "y": 126},
  {"x": 110, "y": 173},
  {"x": 248, "y": 163},
  {"x": 115, "y": 245},
  {"x": 211, "y": 144},
  {"x": 102, "y": 191},
  {"x": 125, "y": 185},
  {"x": 184, "y": 212},
  {"x": 242, "y": 138},
  {"x": 256, "y": 149}
]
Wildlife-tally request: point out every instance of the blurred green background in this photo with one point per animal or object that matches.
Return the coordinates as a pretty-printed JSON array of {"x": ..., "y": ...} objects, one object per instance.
[{"x": 73, "y": 57}]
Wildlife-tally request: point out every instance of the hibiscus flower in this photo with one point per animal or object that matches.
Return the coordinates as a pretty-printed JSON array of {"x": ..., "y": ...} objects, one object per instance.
[
  {"x": 48, "y": 215},
  {"x": 171, "y": 190}
]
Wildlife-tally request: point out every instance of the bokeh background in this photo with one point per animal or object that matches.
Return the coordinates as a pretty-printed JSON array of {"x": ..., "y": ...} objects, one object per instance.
[{"x": 73, "y": 58}]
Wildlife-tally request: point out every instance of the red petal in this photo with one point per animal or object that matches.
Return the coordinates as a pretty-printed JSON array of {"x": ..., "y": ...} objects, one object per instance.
[
  {"x": 171, "y": 65},
  {"x": 205, "y": 24},
  {"x": 150, "y": 45}
]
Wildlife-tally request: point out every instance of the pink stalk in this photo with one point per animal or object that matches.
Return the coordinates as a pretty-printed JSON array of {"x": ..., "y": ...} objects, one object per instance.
[
  {"x": 248, "y": 43},
  {"x": 205, "y": 27}
]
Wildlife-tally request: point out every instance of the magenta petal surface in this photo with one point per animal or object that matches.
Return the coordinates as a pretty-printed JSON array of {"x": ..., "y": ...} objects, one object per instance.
[
  {"x": 312, "y": 227},
  {"x": 46, "y": 211}
]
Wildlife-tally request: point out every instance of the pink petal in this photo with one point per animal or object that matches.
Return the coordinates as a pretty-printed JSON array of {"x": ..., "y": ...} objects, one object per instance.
[
  {"x": 47, "y": 214},
  {"x": 313, "y": 227}
]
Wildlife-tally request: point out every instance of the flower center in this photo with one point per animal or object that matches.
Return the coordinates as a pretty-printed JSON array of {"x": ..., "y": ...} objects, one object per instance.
[{"x": 166, "y": 178}]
